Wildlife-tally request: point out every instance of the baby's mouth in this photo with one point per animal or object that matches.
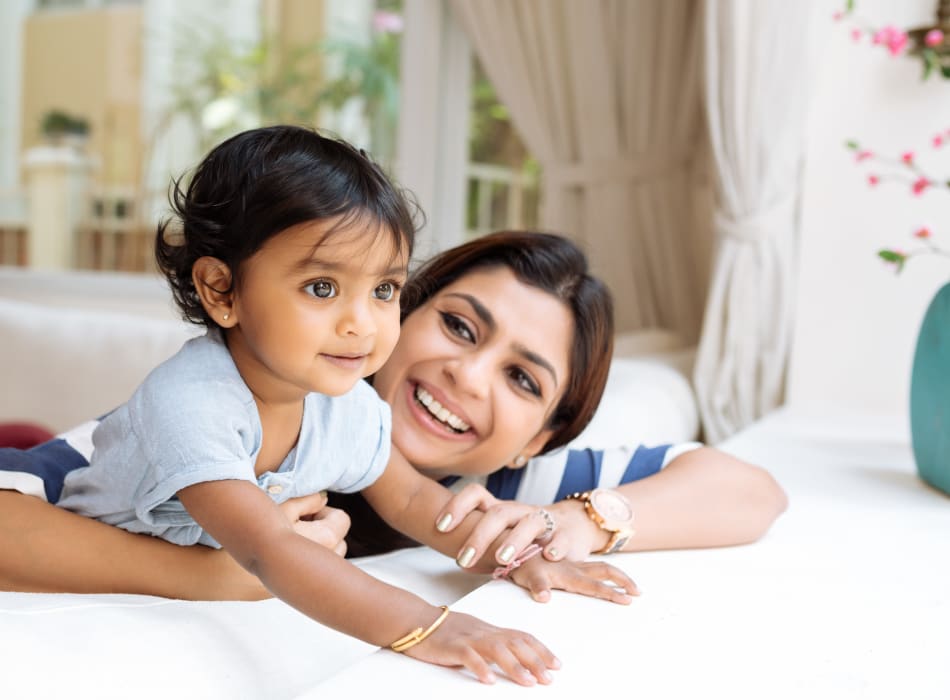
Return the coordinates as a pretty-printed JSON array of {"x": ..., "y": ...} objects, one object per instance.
[{"x": 439, "y": 412}]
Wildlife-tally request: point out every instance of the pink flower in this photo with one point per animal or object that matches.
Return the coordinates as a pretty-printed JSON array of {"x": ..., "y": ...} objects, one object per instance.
[
  {"x": 873, "y": 180},
  {"x": 920, "y": 184},
  {"x": 387, "y": 22},
  {"x": 856, "y": 34},
  {"x": 893, "y": 38},
  {"x": 933, "y": 37},
  {"x": 838, "y": 16},
  {"x": 938, "y": 140},
  {"x": 923, "y": 233},
  {"x": 908, "y": 157},
  {"x": 863, "y": 155}
]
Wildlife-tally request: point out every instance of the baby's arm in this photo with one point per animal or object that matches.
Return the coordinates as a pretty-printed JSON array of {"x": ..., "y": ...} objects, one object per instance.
[{"x": 334, "y": 592}]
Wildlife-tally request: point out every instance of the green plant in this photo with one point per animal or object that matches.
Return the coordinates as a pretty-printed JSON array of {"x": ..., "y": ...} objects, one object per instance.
[{"x": 57, "y": 122}]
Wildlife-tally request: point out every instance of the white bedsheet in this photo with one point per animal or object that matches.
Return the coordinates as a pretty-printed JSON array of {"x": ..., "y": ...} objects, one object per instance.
[{"x": 847, "y": 597}]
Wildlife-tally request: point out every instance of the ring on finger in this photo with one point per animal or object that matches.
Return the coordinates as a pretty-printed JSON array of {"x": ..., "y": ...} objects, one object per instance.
[{"x": 550, "y": 525}]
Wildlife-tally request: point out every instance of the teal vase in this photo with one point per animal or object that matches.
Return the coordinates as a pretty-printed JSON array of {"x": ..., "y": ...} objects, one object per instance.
[{"x": 930, "y": 394}]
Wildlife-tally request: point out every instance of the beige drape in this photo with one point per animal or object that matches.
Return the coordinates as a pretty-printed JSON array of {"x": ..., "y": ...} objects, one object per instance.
[
  {"x": 607, "y": 95},
  {"x": 757, "y": 86}
]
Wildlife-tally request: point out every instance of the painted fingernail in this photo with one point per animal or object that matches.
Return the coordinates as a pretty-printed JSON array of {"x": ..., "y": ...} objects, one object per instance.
[
  {"x": 465, "y": 558},
  {"x": 507, "y": 553},
  {"x": 546, "y": 675},
  {"x": 444, "y": 522}
]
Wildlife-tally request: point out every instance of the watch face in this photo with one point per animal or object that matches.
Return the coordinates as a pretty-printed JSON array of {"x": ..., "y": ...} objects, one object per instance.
[{"x": 613, "y": 507}]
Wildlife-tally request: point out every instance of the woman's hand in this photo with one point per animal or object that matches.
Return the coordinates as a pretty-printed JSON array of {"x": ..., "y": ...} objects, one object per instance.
[
  {"x": 315, "y": 520},
  {"x": 526, "y": 523},
  {"x": 539, "y": 576},
  {"x": 463, "y": 640}
]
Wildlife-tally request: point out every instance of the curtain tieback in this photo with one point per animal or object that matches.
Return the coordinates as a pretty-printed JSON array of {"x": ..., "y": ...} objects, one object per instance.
[
  {"x": 599, "y": 170},
  {"x": 755, "y": 227}
]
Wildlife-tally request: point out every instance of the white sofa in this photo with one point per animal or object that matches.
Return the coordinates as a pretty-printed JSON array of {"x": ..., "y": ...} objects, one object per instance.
[{"x": 76, "y": 344}]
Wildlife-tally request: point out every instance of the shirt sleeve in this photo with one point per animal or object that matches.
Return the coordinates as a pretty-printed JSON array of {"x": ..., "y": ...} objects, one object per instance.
[
  {"x": 196, "y": 435},
  {"x": 553, "y": 477}
]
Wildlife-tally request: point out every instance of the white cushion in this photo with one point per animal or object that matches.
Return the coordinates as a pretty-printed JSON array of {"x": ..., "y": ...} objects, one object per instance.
[{"x": 60, "y": 367}]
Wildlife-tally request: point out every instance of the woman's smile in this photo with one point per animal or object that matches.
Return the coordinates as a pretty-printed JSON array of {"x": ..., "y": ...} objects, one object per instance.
[
  {"x": 474, "y": 377},
  {"x": 435, "y": 416}
]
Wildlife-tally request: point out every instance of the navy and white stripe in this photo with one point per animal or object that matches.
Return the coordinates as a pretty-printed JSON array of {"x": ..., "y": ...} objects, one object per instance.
[
  {"x": 552, "y": 477},
  {"x": 40, "y": 471}
]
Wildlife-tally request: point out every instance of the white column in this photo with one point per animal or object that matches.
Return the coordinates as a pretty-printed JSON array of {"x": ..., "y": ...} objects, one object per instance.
[
  {"x": 13, "y": 13},
  {"x": 432, "y": 143},
  {"x": 57, "y": 183}
]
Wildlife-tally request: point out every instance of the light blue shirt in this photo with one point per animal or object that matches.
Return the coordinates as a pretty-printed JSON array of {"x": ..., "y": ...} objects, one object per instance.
[{"x": 194, "y": 420}]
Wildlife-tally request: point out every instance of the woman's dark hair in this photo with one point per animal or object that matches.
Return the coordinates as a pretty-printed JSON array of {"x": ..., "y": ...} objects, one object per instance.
[
  {"x": 555, "y": 265},
  {"x": 261, "y": 182}
]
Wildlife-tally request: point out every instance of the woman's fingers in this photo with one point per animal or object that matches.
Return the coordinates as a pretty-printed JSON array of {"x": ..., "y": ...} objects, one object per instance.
[
  {"x": 559, "y": 547},
  {"x": 593, "y": 579},
  {"x": 526, "y": 525},
  {"x": 534, "y": 525},
  {"x": 471, "y": 498}
]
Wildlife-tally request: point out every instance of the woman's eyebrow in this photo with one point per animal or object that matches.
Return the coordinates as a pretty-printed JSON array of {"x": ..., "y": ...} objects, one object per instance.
[
  {"x": 478, "y": 307},
  {"x": 486, "y": 316}
]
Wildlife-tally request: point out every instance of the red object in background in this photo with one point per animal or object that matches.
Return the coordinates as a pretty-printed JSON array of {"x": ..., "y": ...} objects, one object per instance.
[{"x": 23, "y": 435}]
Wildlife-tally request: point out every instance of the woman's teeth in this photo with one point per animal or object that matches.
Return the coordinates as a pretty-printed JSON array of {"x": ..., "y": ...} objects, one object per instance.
[{"x": 440, "y": 412}]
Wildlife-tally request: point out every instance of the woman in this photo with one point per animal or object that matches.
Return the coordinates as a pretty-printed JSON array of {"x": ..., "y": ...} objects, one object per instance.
[{"x": 503, "y": 356}]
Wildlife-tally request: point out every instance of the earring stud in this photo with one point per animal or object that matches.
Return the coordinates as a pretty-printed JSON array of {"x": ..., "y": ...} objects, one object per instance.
[
  {"x": 225, "y": 317},
  {"x": 520, "y": 461}
]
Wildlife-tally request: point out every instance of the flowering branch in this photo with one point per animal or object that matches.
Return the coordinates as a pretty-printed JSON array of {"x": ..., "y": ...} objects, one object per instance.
[
  {"x": 898, "y": 258},
  {"x": 930, "y": 44},
  {"x": 907, "y": 170}
]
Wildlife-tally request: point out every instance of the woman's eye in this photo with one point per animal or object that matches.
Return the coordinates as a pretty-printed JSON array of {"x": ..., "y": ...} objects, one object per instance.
[
  {"x": 385, "y": 291},
  {"x": 457, "y": 327},
  {"x": 323, "y": 289},
  {"x": 524, "y": 380}
]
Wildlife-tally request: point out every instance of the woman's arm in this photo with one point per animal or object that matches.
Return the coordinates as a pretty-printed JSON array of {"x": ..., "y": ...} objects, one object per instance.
[
  {"x": 46, "y": 549},
  {"x": 702, "y": 498}
]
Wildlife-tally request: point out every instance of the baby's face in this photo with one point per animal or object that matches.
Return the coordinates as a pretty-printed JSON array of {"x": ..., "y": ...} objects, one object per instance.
[{"x": 317, "y": 312}]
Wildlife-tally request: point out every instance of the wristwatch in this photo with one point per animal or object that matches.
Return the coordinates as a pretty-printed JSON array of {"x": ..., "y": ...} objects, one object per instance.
[{"x": 611, "y": 511}]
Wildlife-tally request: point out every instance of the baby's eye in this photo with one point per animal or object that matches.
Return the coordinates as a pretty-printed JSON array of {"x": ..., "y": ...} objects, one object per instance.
[
  {"x": 457, "y": 327},
  {"x": 385, "y": 291},
  {"x": 322, "y": 289}
]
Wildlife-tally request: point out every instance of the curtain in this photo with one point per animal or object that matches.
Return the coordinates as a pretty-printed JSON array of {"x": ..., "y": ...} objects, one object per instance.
[
  {"x": 607, "y": 96},
  {"x": 757, "y": 77}
]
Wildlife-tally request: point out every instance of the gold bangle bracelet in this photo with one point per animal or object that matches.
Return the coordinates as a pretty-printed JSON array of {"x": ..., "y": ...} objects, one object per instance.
[{"x": 418, "y": 634}]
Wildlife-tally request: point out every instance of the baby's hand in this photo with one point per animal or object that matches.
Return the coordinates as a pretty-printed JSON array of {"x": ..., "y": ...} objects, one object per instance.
[
  {"x": 539, "y": 576},
  {"x": 526, "y": 523},
  {"x": 463, "y": 640},
  {"x": 311, "y": 517}
]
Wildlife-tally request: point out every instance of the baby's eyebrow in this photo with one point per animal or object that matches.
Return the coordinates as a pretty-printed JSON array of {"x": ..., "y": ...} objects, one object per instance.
[{"x": 308, "y": 264}]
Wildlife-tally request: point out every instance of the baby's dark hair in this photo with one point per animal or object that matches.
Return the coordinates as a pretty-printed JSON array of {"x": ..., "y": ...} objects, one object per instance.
[{"x": 261, "y": 182}]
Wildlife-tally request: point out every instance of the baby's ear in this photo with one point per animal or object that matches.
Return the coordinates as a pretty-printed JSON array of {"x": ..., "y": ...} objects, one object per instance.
[{"x": 213, "y": 280}]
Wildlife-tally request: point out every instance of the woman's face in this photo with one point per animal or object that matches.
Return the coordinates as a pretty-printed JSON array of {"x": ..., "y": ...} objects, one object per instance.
[{"x": 476, "y": 373}]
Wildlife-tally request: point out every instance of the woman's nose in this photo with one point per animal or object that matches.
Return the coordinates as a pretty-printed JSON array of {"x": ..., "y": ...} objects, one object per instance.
[{"x": 470, "y": 374}]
